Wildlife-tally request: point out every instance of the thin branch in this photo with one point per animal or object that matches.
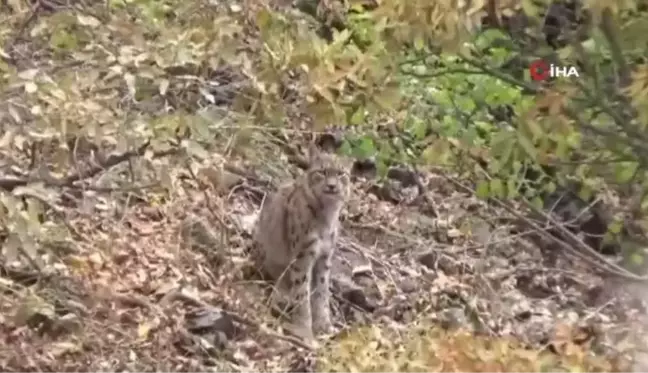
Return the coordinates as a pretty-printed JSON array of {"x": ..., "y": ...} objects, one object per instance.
[
  {"x": 443, "y": 72},
  {"x": 531, "y": 88},
  {"x": 586, "y": 253},
  {"x": 184, "y": 296},
  {"x": 611, "y": 33},
  {"x": 10, "y": 183}
]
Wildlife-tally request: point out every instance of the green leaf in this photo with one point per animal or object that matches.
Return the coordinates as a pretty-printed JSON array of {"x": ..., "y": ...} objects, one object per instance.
[
  {"x": 637, "y": 259},
  {"x": 585, "y": 193},
  {"x": 437, "y": 153},
  {"x": 346, "y": 148},
  {"x": 503, "y": 149},
  {"x": 194, "y": 149},
  {"x": 530, "y": 8},
  {"x": 419, "y": 128},
  {"x": 615, "y": 227},
  {"x": 511, "y": 188},
  {"x": 537, "y": 202},
  {"x": 381, "y": 167},
  {"x": 358, "y": 116},
  {"x": 466, "y": 104},
  {"x": 625, "y": 171},
  {"x": 501, "y": 140},
  {"x": 483, "y": 189},
  {"x": 419, "y": 43},
  {"x": 63, "y": 40},
  {"x": 366, "y": 147},
  {"x": 527, "y": 146},
  {"x": 497, "y": 188},
  {"x": 487, "y": 37},
  {"x": 200, "y": 129}
]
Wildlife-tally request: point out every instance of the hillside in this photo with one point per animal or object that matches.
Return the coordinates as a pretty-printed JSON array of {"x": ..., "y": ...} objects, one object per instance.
[{"x": 496, "y": 222}]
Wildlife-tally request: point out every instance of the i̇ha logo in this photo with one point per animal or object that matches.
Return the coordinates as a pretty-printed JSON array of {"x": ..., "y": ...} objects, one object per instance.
[{"x": 540, "y": 70}]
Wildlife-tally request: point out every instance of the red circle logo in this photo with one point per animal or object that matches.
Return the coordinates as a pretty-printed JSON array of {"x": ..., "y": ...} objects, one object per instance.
[{"x": 539, "y": 70}]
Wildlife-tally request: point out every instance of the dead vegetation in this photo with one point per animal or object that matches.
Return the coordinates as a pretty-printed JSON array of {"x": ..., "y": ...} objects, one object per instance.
[
  {"x": 151, "y": 290},
  {"x": 132, "y": 174}
]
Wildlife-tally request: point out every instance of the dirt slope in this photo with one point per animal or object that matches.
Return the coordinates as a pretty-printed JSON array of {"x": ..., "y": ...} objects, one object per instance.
[{"x": 142, "y": 292}]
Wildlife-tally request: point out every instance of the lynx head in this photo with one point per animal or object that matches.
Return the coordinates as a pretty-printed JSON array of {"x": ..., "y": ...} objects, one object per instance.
[{"x": 327, "y": 179}]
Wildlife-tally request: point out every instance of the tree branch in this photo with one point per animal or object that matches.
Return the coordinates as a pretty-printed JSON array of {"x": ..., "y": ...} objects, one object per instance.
[{"x": 10, "y": 183}]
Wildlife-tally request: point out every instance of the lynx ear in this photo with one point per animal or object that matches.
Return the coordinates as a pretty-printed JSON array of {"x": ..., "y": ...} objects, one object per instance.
[{"x": 314, "y": 155}]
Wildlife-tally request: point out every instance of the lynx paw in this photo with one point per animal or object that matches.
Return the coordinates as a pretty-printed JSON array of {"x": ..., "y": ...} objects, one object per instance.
[
  {"x": 323, "y": 326},
  {"x": 301, "y": 331}
]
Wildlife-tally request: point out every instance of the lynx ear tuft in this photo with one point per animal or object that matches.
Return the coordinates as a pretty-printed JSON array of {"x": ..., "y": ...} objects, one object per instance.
[{"x": 314, "y": 155}]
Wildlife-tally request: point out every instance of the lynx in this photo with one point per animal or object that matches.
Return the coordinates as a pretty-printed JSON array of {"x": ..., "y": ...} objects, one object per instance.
[{"x": 295, "y": 239}]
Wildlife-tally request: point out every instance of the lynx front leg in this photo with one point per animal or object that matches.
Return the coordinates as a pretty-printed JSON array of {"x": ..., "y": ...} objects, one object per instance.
[
  {"x": 300, "y": 278},
  {"x": 320, "y": 299}
]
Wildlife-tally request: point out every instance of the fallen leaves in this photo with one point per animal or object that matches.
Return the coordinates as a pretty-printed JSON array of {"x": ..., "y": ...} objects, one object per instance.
[{"x": 426, "y": 348}]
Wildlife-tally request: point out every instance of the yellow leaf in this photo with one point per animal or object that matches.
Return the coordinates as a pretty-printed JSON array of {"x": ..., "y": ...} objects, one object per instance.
[
  {"x": 529, "y": 8},
  {"x": 58, "y": 93},
  {"x": 163, "y": 86},
  {"x": 77, "y": 262},
  {"x": 61, "y": 348},
  {"x": 28, "y": 74},
  {"x": 31, "y": 87},
  {"x": 130, "y": 83},
  {"x": 324, "y": 92},
  {"x": 143, "y": 330},
  {"x": 88, "y": 20}
]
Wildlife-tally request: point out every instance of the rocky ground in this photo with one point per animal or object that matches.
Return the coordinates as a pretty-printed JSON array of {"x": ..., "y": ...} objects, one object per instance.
[
  {"x": 146, "y": 287},
  {"x": 428, "y": 277}
]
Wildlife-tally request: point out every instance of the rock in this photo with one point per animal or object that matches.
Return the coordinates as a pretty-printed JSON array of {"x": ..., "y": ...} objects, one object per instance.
[
  {"x": 302, "y": 363},
  {"x": 364, "y": 168},
  {"x": 196, "y": 235},
  {"x": 405, "y": 176},
  {"x": 353, "y": 293},
  {"x": 213, "y": 324},
  {"x": 219, "y": 178},
  {"x": 409, "y": 285},
  {"x": 429, "y": 259},
  {"x": 445, "y": 263},
  {"x": 362, "y": 270},
  {"x": 452, "y": 318},
  {"x": 451, "y": 266},
  {"x": 330, "y": 141}
]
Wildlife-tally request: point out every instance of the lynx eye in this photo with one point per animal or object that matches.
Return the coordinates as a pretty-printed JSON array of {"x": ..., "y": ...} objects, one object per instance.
[{"x": 318, "y": 175}]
